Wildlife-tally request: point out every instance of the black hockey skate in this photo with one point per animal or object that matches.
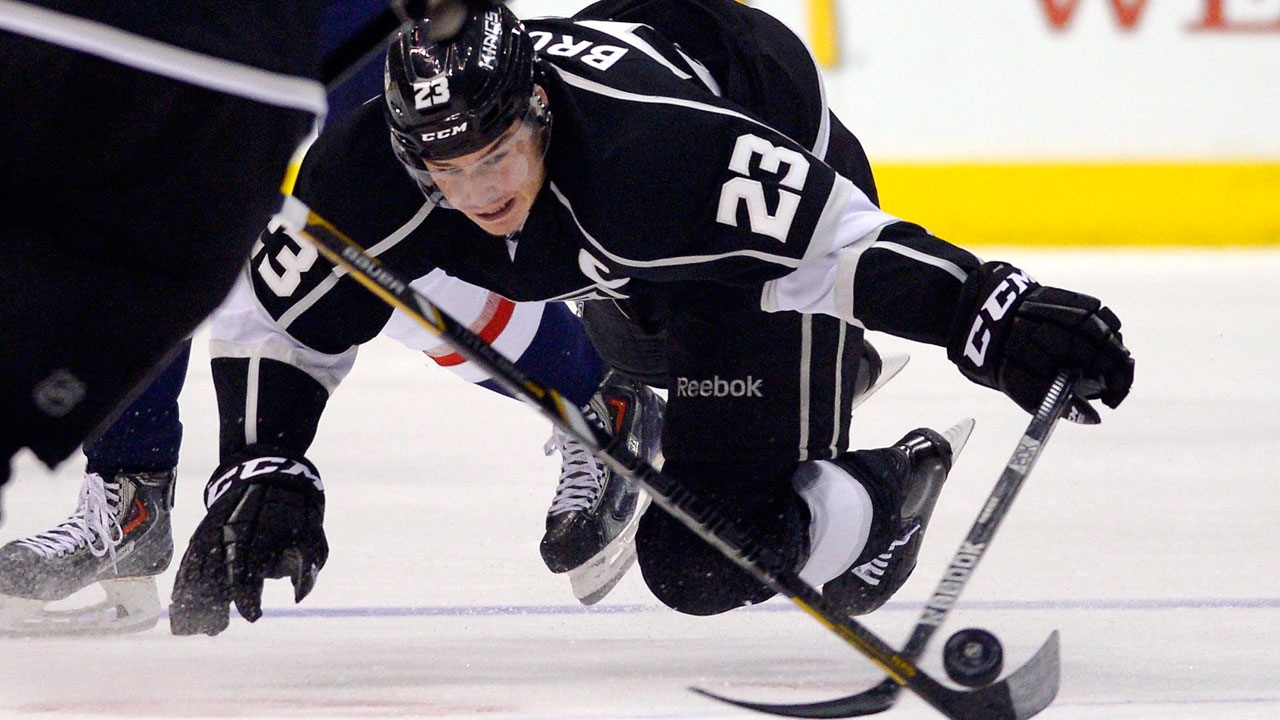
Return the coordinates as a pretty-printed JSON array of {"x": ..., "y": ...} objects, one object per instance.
[
  {"x": 592, "y": 521},
  {"x": 904, "y": 482},
  {"x": 119, "y": 536}
]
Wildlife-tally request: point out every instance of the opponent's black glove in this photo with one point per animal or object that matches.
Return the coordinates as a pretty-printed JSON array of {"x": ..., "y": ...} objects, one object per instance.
[
  {"x": 1014, "y": 335},
  {"x": 265, "y": 520}
]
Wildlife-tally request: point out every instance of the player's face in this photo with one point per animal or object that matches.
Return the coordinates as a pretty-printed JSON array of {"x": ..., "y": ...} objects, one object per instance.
[{"x": 496, "y": 185}]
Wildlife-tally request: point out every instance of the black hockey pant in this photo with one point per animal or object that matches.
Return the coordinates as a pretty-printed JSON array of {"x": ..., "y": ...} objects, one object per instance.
[{"x": 128, "y": 202}]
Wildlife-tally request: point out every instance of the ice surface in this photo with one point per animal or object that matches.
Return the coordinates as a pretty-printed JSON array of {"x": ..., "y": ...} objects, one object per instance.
[{"x": 1151, "y": 542}]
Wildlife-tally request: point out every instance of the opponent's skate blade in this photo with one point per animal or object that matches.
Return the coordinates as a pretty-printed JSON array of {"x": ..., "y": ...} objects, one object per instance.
[
  {"x": 131, "y": 605},
  {"x": 958, "y": 436},
  {"x": 890, "y": 365},
  {"x": 593, "y": 579}
]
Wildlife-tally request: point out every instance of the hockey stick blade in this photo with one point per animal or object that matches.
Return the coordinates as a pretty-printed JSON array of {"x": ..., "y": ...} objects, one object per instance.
[
  {"x": 1058, "y": 403},
  {"x": 1028, "y": 690},
  {"x": 996, "y": 702}
]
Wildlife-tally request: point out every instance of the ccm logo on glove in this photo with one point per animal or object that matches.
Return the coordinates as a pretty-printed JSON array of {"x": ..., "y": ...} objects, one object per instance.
[
  {"x": 255, "y": 467},
  {"x": 992, "y": 311}
]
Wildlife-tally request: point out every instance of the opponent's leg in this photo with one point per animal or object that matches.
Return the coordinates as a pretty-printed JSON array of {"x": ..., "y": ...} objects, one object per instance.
[
  {"x": 592, "y": 520},
  {"x": 119, "y": 535}
]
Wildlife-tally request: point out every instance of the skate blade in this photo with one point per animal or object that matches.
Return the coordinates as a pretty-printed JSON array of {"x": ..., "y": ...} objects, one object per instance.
[
  {"x": 132, "y": 605},
  {"x": 593, "y": 579},
  {"x": 958, "y": 436},
  {"x": 890, "y": 365}
]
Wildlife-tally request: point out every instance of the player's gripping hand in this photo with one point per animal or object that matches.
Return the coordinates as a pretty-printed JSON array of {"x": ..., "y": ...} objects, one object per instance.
[
  {"x": 1014, "y": 335},
  {"x": 265, "y": 520}
]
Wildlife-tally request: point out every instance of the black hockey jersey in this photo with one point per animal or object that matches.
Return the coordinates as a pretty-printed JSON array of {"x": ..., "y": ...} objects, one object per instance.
[{"x": 654, "y": 180}]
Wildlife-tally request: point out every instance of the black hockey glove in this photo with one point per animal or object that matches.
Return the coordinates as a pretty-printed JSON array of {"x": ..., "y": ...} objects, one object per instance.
[
  {"x": 1014, "y": 335},
  {"x": 265, "y": 520}
]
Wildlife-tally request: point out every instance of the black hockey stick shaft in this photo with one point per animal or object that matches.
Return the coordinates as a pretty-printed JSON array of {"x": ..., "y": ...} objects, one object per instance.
[
  {"x": 990, "y": 703},
  {"x": 1056, "y": 403},
  {"x": 356, "y": 51},
  {"x": 349, "y": 57}
]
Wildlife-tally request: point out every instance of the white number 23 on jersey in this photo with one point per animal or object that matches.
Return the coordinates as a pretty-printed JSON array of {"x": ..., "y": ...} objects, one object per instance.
[{"x": 745, "y": 190}]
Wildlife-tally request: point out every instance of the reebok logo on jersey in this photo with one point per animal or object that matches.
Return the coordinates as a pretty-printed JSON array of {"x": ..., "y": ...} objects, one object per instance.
[{"x": 719, "y": 387}]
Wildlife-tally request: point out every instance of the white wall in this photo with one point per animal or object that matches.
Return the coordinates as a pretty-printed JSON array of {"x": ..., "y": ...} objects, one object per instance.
[{"x": 993, "y": 79}]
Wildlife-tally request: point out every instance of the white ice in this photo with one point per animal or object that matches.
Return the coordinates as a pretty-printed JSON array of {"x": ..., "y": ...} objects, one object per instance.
[{"x": 1152, "y": 542}]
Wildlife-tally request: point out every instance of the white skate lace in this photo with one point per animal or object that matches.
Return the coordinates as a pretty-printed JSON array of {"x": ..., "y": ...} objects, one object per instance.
[
  {"x": 95, "y": 524},
  {"x": 581, "y": 474}
]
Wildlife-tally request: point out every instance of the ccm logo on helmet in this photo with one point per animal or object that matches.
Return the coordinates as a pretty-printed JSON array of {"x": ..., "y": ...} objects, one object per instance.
[{"x": 442, "y": 134}]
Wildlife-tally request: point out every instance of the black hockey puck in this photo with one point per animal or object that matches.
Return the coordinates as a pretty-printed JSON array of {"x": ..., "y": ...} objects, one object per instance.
[{"x": 973, "y": 657}]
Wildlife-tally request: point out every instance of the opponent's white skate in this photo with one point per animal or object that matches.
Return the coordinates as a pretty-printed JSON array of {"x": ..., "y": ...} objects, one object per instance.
[{"x": 119, "y": 537}]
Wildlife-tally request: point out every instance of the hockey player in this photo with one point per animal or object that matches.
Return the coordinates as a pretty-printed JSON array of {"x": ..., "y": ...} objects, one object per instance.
[
  {"x": 721, "y": 226},
  {"x": 134, "y": 458},
  {"x": 119, "y": 535},
  {"x": 143, "y": 148},
  {"x": 677, "y": 158},
  {"x": 285, "y": 338}
]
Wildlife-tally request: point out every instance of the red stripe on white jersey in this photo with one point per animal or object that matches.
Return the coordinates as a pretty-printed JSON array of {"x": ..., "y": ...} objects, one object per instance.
[{"x": 489, "y": 325}]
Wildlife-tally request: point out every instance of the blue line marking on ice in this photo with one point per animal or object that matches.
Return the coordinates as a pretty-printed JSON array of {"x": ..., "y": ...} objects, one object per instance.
[{"x": 775, "y": 606}]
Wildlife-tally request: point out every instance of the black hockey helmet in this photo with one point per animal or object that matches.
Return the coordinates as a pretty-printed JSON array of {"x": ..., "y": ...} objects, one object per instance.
[{"x": 455, "y": 97}]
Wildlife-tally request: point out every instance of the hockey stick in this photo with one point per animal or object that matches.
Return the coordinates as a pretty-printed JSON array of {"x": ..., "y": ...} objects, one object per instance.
[
  {"x": 354, "y": 53},
  {"x": 1057, "y": 402},
  {"x": 1019, "y": 696}
]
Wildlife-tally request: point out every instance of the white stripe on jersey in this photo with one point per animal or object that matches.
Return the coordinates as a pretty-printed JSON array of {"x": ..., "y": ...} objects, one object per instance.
[
  {"x": 666, "y": 262},
  {"x": 602, "y": 89},
  {"x": 836, "y": 423},
  {"x": 823, "y": 141},
  {"x": 626, "y": 33},
  {"x": 837, "y": 211},
  {"x": 945, "y": 265},
  {"x": 703, "y": 74},
  {"x": 241, "y": 328},
  {"x": 251, "y": 401},
  {"x": 153, "y": 56},
  {"x": 806, "y": 367}
]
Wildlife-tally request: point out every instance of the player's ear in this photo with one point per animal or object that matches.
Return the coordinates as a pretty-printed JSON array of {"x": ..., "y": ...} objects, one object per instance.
[{"x": 540, "y": 105}]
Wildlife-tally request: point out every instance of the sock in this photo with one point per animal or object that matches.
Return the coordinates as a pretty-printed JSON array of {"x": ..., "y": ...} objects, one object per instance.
[{"x": 840, "y": 512}]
